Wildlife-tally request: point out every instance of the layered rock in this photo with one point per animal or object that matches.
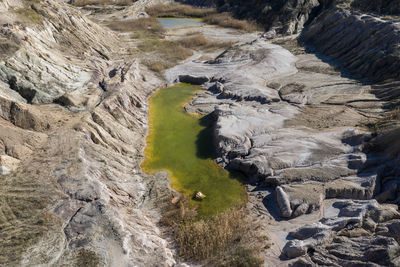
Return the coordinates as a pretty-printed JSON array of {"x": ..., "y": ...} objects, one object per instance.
[
  {"x": 293, "y": 123},
  {"x": 371, "y": 53},
  {"x": 72, "y": 191},
  {"x": 350, "y": 233}
]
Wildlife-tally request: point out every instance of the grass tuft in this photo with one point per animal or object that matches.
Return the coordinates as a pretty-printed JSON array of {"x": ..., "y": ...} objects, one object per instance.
[{"x": 226, "y": 20}]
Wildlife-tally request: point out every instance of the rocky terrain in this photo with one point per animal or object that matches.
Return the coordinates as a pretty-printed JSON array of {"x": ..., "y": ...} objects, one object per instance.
[
  {"x": 313, "y": 126},
  {"x": 298, "y": 124},
  {"x": 72, "y": 128}
]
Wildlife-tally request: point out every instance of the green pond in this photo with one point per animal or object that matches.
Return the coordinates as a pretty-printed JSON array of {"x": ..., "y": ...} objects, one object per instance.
[{"x": 181, "y": 144}]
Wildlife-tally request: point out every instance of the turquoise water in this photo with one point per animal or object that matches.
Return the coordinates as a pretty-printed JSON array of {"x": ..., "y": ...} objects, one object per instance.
[{"x": 175, "y": 23}]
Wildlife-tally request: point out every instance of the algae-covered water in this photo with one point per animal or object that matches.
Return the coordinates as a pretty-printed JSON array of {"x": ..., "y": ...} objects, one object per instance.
[
  {"x": 176, "y": 23},
  {"x": 181, "y": 144}
]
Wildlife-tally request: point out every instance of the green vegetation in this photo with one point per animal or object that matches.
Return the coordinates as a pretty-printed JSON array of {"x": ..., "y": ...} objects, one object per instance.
[
  {"x": 182, "y": 145},
  {"x": 28, "y": 15}
]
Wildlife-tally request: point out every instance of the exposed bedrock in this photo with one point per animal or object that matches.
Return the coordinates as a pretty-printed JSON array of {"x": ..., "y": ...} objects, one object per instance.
[
  {"x": 263, "y": 129},
  {"x": 368, "y": 47},
  {"x": 293, "y": 123},
  {"x": 351, "y": 233}
]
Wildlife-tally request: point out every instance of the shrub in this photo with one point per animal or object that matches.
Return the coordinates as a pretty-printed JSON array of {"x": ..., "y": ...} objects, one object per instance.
[
  {"x": 226, "y": 20},
  {"x": 225, "y": 239}
]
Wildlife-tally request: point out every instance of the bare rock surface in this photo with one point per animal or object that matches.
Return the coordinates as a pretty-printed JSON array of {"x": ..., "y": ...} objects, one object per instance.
[
  {"x": 292, "y": 121},
  {"x": 71, "y": 142},
  {"x": 73, "y": 120},
  {"x": 344, "y": 236}
]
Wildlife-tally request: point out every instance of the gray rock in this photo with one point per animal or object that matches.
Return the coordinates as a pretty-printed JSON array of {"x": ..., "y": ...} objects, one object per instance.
[
  {"x": 193, "y": 79},
  {"x": 308, "y": 231},
  {"x": 301, "y": 209},
  {"x": 283, "y": 202},
  {"x": 4, "y": 170},
  {"x": 294, "y": 249}
]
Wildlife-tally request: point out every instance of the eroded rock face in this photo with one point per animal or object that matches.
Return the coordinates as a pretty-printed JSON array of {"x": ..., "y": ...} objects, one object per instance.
[
  {"x": 71, "y": 187},
  {"x": 371, "y": 53},
  {"x": 344, "y": 236},
  {"x": 287, "y": 17}
]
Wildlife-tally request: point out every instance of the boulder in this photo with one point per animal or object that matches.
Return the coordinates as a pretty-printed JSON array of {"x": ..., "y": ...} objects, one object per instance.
[
  {"x": 283, "y": 202},
  {"x": 9, "y": 162},
  {"x": 294, "y": 249},
  {"x": 4, "y": 170},
  {"x": 301, "y": 209},
  {"x": 193, "y": 79}
]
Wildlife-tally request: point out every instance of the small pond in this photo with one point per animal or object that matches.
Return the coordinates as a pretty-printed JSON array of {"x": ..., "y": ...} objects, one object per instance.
[
  {"x": 176, "y": 23},
  {"x": 182, "y": 144}
]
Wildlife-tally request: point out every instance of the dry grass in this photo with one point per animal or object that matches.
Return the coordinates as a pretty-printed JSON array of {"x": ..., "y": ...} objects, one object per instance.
[
  {"x": 169, "y": 53},
  {"x": 166, "y": 54},
  {"x": 169, "y": 50},
  {"x": 157, "y": 53},
  {"x": 147, "y": 25},
  {"x": 197, "y": 40},
  {"x": 179, "y": 10},
  {"x": 226, "y": 239},
  {"x": 23, "y": 216},
  {"x": 385, "y": 122},
  {"x": 81, "y": 3},
  {"x": 226, "y": 20},
  {"x": 87, "y": 258},
  {"x": 28, "y": 15}
]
